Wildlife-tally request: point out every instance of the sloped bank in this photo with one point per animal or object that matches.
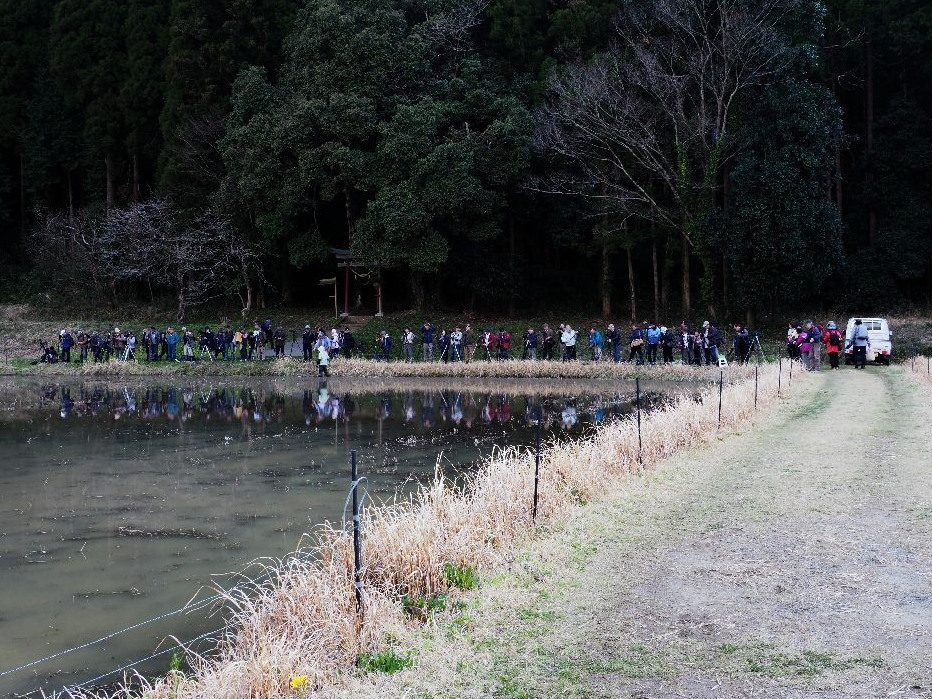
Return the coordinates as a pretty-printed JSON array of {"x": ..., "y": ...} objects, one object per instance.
[{"x": 302, "y": 631}]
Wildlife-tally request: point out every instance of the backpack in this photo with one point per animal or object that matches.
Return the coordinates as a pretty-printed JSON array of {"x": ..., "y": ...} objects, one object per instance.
[{"x": 834, "y": 339}]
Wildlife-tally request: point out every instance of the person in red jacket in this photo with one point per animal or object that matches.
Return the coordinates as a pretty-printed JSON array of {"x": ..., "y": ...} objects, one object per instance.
[
  {"x": 504, "y": 344},
  {"x": 834, "y": 341}
]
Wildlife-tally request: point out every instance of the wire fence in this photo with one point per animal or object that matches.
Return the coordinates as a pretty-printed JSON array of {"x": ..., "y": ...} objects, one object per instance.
[{"x": 247, "y": 584}]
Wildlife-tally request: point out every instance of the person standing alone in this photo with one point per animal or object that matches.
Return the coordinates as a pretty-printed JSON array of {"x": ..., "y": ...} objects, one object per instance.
[
  {"x": 833, "y": 342},
  {"x": 860, "y": 342}
]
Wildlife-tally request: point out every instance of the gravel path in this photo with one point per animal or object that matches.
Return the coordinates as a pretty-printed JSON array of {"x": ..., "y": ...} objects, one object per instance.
[
  {"x": 791, "y": 561},
  {"x": 794, "y": 561}
]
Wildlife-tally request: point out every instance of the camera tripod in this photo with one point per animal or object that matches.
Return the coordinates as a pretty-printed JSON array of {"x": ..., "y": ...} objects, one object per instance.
[{"x": 755, "y": 349}]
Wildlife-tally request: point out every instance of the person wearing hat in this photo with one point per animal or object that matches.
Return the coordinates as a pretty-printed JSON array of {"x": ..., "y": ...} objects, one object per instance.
[
  {"x": 833, "y": 341},
  {"x": 860, "y": 341},
  {"x": 66, "y": 343}
]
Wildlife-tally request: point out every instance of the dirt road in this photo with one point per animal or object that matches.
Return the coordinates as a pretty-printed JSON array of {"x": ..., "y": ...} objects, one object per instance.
[{"x": 794, "y": 560}]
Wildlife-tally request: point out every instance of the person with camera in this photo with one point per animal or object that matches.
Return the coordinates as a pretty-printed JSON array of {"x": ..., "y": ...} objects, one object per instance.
[
  {"x": 171, "y": 340},
  {"x": 530, "y": 344},
  {"x": 613, "y": 337},
  {"x": 568, "y": 339},
  {"x": 596, "y": 343},
  {"x": 668, "y": 340},
  {"x": 504, "y": 344},
  {"x": 636, "y": 344},
  {"x": 653, "y": 343},
  {"x": 711, "y": 339},
  {"x": 407, "y": 345},
  {"x": 548, "y": 344},
  {"x": 741, "y": 344},
  {"x": 456, "y": 345},
  {"x": 81, "y": 341},
  {"x": 427, "y": 342},
  {"x": 66, "y": 342},
  {"x": 279, "y": 339},
  {"x": 469, "y": 343}
]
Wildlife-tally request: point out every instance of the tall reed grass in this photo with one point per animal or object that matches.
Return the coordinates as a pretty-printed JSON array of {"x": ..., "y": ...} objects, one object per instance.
[{"x": 304, "y": 623}]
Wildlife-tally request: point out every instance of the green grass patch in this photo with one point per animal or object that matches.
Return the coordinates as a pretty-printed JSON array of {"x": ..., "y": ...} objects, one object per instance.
[
  {"x": 765, "y": 660},
  {"x": 462, "y": 577},
  {"x": 387, "y": 661}
]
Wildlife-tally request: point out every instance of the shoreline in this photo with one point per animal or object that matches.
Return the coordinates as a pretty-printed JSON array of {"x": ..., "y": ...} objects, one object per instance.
[
  {"x": 411, "y": 547},
  {"x": 369, "y": 369}
]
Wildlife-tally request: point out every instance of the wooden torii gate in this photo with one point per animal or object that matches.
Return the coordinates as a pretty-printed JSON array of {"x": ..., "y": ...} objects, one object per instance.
[{"x": 346, "y": 262}]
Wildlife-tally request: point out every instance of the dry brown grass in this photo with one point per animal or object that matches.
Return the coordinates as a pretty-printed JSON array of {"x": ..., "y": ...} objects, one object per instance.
[
  {"x": 304, "y": 623},
  {"x": 365, "y": 368}
]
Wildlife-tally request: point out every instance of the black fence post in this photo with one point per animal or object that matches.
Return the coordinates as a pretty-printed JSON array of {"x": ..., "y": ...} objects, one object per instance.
[
  {"x": 637, "y": 402},
  {"x": 780, "y": 376},
  {"x": 536, "y": 469},
  {"x": 755, "y": 388},
  {"x": 357, "y": 540},
  {"x": 792, "y": 362},
  {"x": 721, "y": 384}
]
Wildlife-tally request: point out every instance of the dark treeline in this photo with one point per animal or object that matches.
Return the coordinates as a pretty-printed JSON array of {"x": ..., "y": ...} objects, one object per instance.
[{"x": 657, "y": 157}]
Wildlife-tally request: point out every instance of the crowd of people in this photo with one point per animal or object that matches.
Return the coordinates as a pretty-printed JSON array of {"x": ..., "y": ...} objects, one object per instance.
[
  {"x": 643, "y": 343},
  {"x": 187, "y": 344},
  {"x": 805, "y": 342},
  {"x": 647, "y": 343}
]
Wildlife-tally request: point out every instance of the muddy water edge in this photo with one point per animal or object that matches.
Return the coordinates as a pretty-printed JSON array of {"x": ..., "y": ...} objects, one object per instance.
[{"x": 120, "y": 502}]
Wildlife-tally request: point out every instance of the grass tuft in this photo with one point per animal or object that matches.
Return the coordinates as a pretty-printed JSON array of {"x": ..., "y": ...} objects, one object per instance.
[{"x": 387, "y": 661}]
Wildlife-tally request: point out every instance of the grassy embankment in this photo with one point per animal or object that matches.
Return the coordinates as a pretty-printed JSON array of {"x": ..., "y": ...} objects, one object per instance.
[{"x": 302, "y": 633}]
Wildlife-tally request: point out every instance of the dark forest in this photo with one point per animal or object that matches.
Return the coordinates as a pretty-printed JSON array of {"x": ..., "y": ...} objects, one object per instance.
[{"x": 643, "y": 159}]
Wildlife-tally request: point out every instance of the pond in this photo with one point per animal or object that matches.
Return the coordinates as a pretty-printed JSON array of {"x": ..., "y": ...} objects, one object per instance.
[{"x": 120, "y": 502}]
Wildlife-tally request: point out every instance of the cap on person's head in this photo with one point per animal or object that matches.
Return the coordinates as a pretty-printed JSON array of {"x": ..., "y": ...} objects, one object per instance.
[
  {"x": 808, "y": 322},
  {"x": 857, "y": 321},
  {"x": 705, "y": 324},
  {"x": 831, "y": 325},
  {"x": 307, "y": 327}
]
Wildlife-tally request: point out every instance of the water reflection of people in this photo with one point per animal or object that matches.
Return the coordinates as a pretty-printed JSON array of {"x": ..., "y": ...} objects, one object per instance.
[
  {"x": 258, "y": 407},
  {"x": 569, "y": 416}
]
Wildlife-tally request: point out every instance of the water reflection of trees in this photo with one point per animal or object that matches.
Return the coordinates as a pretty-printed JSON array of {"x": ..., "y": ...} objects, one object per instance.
[{"x": 259, "y": 405}]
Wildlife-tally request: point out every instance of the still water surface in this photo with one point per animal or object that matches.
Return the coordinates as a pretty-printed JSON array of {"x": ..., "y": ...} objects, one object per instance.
[{"x": 119, "y": 502}]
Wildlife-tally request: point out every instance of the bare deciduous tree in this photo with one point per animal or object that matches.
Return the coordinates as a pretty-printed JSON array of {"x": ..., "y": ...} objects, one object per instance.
[{"x": 648, "y": 125}]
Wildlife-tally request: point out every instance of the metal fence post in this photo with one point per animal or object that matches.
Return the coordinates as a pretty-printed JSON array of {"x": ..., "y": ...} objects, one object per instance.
[
  {"x": 357, "y": 540},
  {"x": 536, "y": 470},
  {"x": 780, "y": 376},
  {"x": 721, "y": 384}
]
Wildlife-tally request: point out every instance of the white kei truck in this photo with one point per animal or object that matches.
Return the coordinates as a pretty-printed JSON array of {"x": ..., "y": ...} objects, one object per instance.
[{"x": 881, "y": 340}]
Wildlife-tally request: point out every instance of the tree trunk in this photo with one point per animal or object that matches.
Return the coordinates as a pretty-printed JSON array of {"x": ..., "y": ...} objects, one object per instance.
[
  {"x": 666, "y": 271},
  {"x": 108, "y": 162},
  {"x": 869, "y": 95},
  {"x": 418, "y": 291},
  {"x": 606, "y": 282},
  {"x": 725, "y": 303},
  {"x": 70, "y": 198},
  {"x": 634, "y": 310},
  {"x": 137, "y": 188},
  {"x": 684, "y": 264},
  {"x": 839, "y": 194},
  {"x": 350, "y": 222},
  {"x": 655, "y": 270},
  {"x": 22, "y": 196},
  {"x": 511, "y": 265}
]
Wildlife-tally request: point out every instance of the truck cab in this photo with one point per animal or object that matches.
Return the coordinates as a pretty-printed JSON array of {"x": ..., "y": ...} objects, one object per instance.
[{"x": 881, "y": 340}]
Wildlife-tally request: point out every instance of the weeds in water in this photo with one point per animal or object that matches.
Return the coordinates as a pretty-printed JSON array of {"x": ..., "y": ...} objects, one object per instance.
[
  {"x": 387, "y": 661},
  {"x": 462, "y": 577}
]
